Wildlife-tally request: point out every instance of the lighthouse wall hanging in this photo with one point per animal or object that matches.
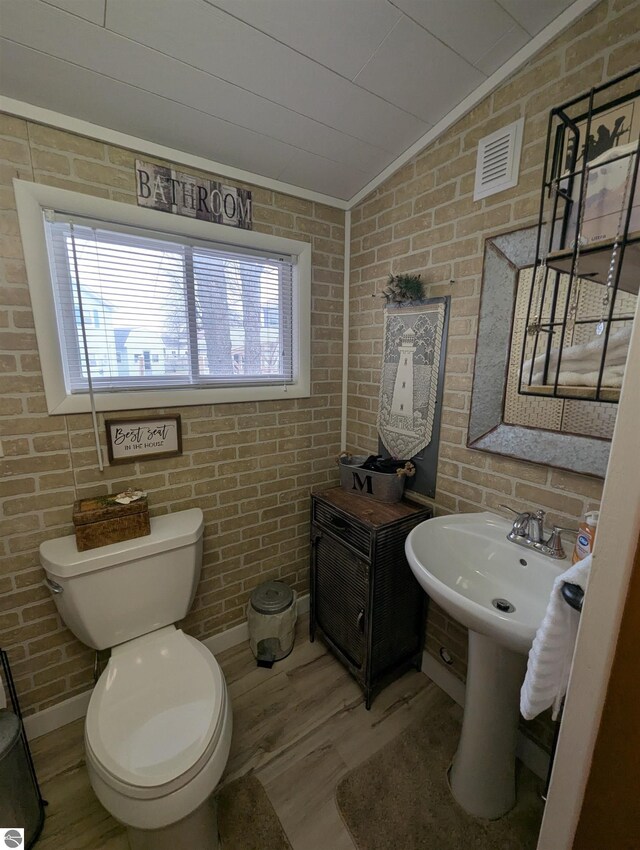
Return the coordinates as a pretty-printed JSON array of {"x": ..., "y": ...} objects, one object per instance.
[{"x": 411, "y": 386}]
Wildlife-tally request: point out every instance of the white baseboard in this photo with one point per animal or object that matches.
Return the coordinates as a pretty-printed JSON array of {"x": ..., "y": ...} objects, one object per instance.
[
  {"x": 57, "y": 715},
  {"x": 529, "y": 753},
  {"x": 226, "y": 639},
  {"x": 532, "y": 756},
  {"x": 76, "y": 707},
  {"x": 444, "y": 679}
]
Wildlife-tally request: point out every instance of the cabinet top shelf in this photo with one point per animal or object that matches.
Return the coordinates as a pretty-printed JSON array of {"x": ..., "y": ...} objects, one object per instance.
[{"x": 369, "y": 511}]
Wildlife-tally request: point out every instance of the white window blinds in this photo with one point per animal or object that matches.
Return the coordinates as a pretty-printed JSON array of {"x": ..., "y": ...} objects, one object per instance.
[{"x": 156, "y": 311}]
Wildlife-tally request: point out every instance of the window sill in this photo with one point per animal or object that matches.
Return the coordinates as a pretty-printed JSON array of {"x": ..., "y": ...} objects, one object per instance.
[{"x": 151, "y": 399}]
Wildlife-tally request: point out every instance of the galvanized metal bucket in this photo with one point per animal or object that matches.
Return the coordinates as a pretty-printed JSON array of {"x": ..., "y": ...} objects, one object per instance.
[{"x": 382, "y": 486}]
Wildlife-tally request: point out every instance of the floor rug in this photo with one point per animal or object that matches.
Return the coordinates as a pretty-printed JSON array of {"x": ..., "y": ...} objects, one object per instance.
[
  {"x": 399, "y": 799},
  {"x": 246, "y": 818}
]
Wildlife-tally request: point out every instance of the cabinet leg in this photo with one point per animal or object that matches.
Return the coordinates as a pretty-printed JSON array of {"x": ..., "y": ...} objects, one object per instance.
[{"x": 367, "y": 700}]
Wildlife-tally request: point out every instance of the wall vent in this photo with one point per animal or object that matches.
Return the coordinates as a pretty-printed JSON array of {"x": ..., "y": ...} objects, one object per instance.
[{"x": 498, "y": 160}]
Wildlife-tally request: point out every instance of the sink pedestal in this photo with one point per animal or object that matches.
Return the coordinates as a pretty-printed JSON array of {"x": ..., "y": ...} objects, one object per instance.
[
  {"x": 468, "y": 567},
  {"x": 483, "y": 770}
]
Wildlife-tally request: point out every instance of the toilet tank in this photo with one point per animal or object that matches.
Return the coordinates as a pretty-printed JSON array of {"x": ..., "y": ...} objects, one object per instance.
[{"x": 115, "y": 593}]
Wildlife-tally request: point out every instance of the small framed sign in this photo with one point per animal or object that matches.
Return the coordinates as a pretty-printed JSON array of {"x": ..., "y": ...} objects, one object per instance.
[{"x": 129, "y": 440}]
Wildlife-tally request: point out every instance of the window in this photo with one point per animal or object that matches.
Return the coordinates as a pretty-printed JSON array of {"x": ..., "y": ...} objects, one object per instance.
[
  {"x": 183, "y": 313},
  {"x": 162, "y": 318}
]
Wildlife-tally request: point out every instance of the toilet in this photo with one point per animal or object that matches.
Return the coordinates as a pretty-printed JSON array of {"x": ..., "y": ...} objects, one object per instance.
[{"x": 159, "y": 722}]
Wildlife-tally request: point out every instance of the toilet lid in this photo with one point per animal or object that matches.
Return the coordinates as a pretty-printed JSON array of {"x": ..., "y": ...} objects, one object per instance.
[{"x": 156, "y": 708}]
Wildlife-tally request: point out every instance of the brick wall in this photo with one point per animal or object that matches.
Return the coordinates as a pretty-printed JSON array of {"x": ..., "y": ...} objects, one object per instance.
[
  {"x": 250, "y": 467},
  {"x": 424, "y": 219}
]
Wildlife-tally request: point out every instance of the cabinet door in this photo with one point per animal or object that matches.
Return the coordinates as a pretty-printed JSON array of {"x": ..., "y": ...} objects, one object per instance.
[
  {"x": 398, "y": 603},
  {"x": 341, "y": 585}
]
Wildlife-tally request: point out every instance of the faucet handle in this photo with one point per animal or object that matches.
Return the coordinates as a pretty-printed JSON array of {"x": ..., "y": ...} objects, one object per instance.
[
  {"x": 555, "y": 541},
  {"x": 520, "y": 515},
  {"x": 520, "y": 523}
]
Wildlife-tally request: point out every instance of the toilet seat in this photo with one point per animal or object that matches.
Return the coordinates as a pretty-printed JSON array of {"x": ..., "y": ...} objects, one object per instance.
[{"x": 156, "y": 714}]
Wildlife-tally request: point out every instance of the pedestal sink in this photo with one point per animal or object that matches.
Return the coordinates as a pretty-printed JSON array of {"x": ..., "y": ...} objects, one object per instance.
[{"x": 499, "y": 591}]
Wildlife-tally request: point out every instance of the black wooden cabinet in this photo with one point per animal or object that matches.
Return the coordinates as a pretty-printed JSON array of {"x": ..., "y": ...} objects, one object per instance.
[{"x": 365, "y": 602}]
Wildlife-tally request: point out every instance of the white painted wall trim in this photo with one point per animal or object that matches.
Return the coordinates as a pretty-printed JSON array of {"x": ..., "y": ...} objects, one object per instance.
[
  {"x": 604, "y": 602},
  {"x": 227, "y": 639},
  {"x": 443, "y": 678},
  {"x": 59, "y": 120},
  {"x": 529, "y": 753},
  {"x": 561, "y": 23},
  {"x": 57, "y": 715},
  {"x": 345, "y": 328},
  {"x": 76, "y": 707}
]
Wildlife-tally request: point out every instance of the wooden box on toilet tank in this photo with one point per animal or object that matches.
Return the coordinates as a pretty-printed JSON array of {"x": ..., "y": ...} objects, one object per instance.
[{"x": 101, "y": 521}]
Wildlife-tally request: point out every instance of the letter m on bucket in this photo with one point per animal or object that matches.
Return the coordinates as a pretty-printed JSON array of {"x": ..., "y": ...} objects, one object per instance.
[{"x": 359, "y": 484}]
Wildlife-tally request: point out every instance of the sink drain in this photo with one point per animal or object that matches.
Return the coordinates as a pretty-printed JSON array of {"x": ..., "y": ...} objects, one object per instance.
[{"x": 503, "y": 605}]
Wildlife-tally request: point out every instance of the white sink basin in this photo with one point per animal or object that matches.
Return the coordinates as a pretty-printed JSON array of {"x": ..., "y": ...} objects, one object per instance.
[{"x": 465, "y": 562}]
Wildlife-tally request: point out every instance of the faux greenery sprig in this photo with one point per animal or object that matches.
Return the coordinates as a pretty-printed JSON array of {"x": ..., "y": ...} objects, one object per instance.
[{"x": 403, "y": 287}]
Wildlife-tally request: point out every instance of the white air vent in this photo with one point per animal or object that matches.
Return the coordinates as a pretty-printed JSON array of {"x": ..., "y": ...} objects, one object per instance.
[{"x": 498, "y": 160}]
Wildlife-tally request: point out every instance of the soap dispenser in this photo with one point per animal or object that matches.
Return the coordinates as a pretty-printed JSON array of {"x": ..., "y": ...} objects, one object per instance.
[{"x": 586, "y": 536}]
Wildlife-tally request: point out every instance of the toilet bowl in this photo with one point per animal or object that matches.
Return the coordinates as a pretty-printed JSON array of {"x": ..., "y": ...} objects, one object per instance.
[
  {"x": 159, "y": 722},
  {"x": 158, "y": 731}
]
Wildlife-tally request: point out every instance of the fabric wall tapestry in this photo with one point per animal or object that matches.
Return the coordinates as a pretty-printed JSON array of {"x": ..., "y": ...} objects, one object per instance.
[{"x": 409, "y": 383}]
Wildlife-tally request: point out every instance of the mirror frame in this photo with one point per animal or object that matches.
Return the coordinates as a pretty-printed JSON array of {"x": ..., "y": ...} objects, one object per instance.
[{"x": 504, "y": 256}]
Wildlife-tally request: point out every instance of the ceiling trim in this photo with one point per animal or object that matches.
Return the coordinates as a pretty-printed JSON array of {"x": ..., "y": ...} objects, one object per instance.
[
  {"x": 564, "y": 20},
  {"x": 61, "y": 121}
]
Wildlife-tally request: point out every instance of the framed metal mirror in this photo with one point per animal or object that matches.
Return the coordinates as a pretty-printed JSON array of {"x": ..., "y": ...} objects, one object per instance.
[{"x": 554, "y": 432}]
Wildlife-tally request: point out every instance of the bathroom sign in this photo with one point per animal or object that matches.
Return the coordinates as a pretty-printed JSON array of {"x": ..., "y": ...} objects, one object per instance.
[
  {"x": 172, "y": 191},
  {"x": 129, "y": 440}
]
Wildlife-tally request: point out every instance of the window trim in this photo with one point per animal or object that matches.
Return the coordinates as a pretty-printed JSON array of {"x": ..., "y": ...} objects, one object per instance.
[{"x": 33, "y": 198}]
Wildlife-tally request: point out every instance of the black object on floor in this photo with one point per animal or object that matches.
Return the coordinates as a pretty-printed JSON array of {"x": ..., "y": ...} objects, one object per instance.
[{"x": 21, "y": 803}]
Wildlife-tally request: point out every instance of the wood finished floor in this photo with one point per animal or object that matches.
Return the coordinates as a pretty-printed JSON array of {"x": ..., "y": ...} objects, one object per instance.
[{"x": 300, "y": 727}]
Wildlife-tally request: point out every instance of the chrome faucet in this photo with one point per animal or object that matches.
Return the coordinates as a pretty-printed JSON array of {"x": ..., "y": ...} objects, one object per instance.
[
  {"x": 536, "y": 527},
  {"x": 528, "y": 531}
]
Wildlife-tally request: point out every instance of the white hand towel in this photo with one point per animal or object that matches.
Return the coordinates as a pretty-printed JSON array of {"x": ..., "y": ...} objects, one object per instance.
[{"x": 551, "y": 653}]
